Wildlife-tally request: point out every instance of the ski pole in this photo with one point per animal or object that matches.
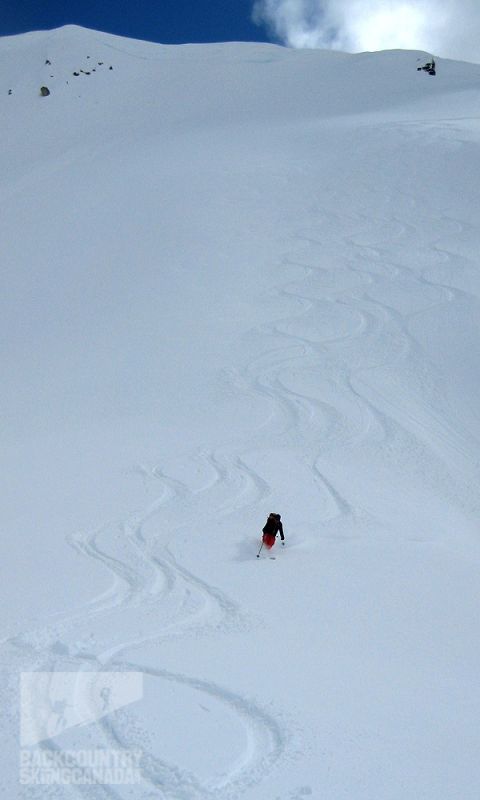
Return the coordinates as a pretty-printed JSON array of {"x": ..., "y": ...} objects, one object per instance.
[{"x": 258, "y": 554}]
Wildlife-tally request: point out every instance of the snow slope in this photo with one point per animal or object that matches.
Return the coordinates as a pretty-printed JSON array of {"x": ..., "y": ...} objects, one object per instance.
[{"x": 240, "y": 279}]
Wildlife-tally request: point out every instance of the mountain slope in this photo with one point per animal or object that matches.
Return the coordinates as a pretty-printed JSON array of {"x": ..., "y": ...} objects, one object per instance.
[{"x": 242, "y": 279}]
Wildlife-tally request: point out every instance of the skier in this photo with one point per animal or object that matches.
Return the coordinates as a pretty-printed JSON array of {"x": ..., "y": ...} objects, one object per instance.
[
  {"x": 428, "y": 67},
  {"x": 272, "y": 526}
]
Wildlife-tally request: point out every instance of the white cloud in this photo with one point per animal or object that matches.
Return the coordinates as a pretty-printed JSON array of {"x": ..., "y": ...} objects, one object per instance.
[{"x": 449, "y": 28}]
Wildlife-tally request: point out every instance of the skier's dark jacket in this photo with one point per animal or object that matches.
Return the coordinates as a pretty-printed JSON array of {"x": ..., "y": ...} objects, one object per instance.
[{"x": 273, "y": 526}]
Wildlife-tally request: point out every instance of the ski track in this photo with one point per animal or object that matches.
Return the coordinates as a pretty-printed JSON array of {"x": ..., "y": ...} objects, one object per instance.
[
  {"x": 373, "y": 335},
  {"x": 192, "y": 606},
  {"x": 266, "y": 744}
]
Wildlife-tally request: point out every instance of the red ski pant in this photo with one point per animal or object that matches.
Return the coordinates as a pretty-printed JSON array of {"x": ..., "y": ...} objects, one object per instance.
[{"x": 268, "y": 540}]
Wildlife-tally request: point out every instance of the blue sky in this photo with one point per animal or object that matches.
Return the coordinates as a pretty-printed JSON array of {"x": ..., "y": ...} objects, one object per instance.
[
  {"x": 168, "y": 21},
  {"x": 449, "y": 28}
]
